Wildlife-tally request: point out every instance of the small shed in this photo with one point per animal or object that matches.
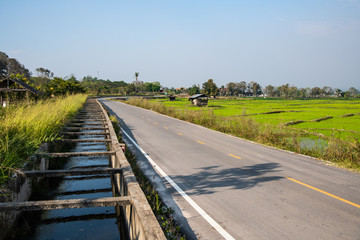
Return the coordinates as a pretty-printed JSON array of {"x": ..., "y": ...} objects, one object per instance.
[
  {"x": 5, "y": 86},
  {"x": 172, "y": 98},
  {"x": 199, "y": 100}
]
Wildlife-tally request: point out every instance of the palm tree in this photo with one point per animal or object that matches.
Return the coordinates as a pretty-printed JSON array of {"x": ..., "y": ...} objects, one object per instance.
[{"x": 136, "y": 80}]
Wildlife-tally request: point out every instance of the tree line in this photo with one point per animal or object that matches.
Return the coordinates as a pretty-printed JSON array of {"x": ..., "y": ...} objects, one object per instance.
[
  {"x": 285, "y": 91},
  {"x": 253, "y": 89},
  {"x": 49, "y": 85},
  {"x": 100, "y": 87},
  {"x": 45, "y": 82}
]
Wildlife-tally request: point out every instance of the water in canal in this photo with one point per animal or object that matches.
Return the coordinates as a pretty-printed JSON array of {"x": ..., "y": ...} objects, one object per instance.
[{"x": 81, "y": 223}]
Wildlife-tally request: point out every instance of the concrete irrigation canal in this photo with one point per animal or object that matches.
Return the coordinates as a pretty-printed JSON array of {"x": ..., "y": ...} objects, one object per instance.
[{"x": 87, "y": 191}]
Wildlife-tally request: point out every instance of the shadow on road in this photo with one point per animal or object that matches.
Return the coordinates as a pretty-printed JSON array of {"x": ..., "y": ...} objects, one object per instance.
[{"x": 211, "y": 179}]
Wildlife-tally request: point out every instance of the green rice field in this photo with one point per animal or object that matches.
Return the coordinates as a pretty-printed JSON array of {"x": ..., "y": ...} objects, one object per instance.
[
  {"x": 345, "y": 113},
  {"x": 327, "y": 129}
]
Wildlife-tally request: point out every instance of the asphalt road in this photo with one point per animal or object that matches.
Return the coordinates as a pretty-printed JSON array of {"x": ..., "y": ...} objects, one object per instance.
[{"x": 248, "y": 190}]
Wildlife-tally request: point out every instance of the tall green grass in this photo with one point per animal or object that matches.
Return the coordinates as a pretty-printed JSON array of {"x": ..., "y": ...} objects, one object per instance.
[
  {"x": 25, "y": 126},
  {"x": 342, "y": 153}
]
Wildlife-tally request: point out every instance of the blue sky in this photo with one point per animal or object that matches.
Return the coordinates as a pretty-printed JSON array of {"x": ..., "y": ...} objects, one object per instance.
[{"x": 179, "y": 43}]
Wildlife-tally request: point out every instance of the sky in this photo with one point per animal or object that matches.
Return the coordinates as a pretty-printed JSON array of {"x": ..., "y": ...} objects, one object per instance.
[{"x": 180, "y": 43}]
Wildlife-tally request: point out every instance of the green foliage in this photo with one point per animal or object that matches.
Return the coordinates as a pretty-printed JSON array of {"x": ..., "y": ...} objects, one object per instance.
[
  {"x": 104, "y": 87},
  {"x": 277, "y": 112},
  {"x": 24, "y": 127},
  {"x": 99, "y": 86},
  {"x": 256, "y": 120},
  {"x": 194, "y": 90},
  {"x": 152, "y": 87},
  {"x": 59, "y": 86},
  {"x": 254, "y": 88},
  {"x": 162, "y": 212},
  {"x": 3, "y": 69},
  {"x": 210, "y": 88},
  {"x": 10, "y": 66}
]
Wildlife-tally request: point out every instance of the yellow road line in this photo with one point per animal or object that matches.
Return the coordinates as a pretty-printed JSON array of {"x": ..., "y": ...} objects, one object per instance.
[
  {"x": 323, "y": 192},
  {"x": 155, "y": 123},
  {"x": 200, "y": 142},
  {"x": 234, "y": 156},
  {"x": 180, "y": 133},
  {"x": 166, "y": 127}
]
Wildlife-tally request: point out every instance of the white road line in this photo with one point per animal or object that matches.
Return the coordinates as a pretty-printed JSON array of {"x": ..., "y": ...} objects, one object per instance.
[{"x": 206, "y": 216}]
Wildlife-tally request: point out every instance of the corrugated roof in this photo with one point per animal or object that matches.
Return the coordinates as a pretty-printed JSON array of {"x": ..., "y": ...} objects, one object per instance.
[
  {"x": 197, "y": 96},
  {"x": 4, "y": 84}
]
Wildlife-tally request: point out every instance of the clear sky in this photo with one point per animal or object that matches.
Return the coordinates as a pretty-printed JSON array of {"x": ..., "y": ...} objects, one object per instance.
[{"x": 179, "y": 43}]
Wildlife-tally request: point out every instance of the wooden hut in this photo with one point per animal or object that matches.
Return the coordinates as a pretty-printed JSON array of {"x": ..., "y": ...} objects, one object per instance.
[
  {"x": 6, "y": 85},
  {"x": 199, "y": 100},
  {"x": 172, "y": 98}
]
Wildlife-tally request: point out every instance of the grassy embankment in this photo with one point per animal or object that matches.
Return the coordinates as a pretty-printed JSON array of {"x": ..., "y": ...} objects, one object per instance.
[
  {"x": 24, "y": 127},
  {"x": 336, "y": 139},
  {"x": 163, "y": 214}
]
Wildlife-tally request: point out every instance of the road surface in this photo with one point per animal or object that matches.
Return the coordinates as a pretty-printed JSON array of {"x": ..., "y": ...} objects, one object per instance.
[{"x": 229, "y": 188}]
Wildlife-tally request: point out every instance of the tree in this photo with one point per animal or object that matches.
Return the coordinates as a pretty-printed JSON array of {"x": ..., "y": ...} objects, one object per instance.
[
  {"x": 45, "y": 73},
  {"x": 179, "y": 90},
  {"x": 152, "y": 87},
  {"x": 59, "y": 86},
  {"x": 327, "y": 91},
  {"x": 15, "y": 67},
  {"x": 270, "y": 91},
  {"x": 136, "y": 82},
  {"x": 194, "y": 90},
  {"x": 3, "y": 65},
  {"x": 222, "y": 90},
  {"x": 353, "y": 92},
  {"x": 284, "y": 90},
  {"x": 338, "y": 92},
  {"x": 315, "y": 92},
  {"x": 43, "y": 78},
  {"x": 131, "y": 88},
  {"x": 210, "y": 88},
  {"x": 303, "y": 93},
  {"x": 3, "y": 69},
  {"x": 293, "y": 92},
  {"x": 11, "y": 66},
  {"x": 254, "y": 88},
  {"x": 231, "y": 88},
  {"x": 241, "y": 86}
]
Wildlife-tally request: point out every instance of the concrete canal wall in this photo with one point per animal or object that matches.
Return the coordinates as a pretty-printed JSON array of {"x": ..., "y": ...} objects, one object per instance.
[{"x": 139, "y": 220}]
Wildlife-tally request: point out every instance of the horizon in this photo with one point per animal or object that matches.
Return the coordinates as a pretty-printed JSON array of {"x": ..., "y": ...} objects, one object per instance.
[{"x": 179, "y": 44}]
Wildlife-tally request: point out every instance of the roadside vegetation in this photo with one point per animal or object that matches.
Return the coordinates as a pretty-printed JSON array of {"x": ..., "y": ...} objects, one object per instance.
[
  {"x": 162, "y": 212},
  {"x": 318, "y": 116},
  {"x": 257, "y": 121},
  {"x": 323, "y": 124},
  {"x": 23, "y": 127}
]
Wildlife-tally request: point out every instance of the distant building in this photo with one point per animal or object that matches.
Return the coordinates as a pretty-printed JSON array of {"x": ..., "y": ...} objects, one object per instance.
[
  {"x": 199, "y": 100},
  {"x": 172, "y": 97}
]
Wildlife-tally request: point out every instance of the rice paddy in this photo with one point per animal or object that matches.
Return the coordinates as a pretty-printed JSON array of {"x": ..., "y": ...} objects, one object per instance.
[
  {"x": 308, "y": 114},
  {"x": 327, "y": 129}
]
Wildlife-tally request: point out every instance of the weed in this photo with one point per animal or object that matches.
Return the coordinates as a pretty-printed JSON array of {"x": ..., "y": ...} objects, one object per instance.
[
  {"x": 162, "y": 212},
  {"x": 25, "y": 126}
]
